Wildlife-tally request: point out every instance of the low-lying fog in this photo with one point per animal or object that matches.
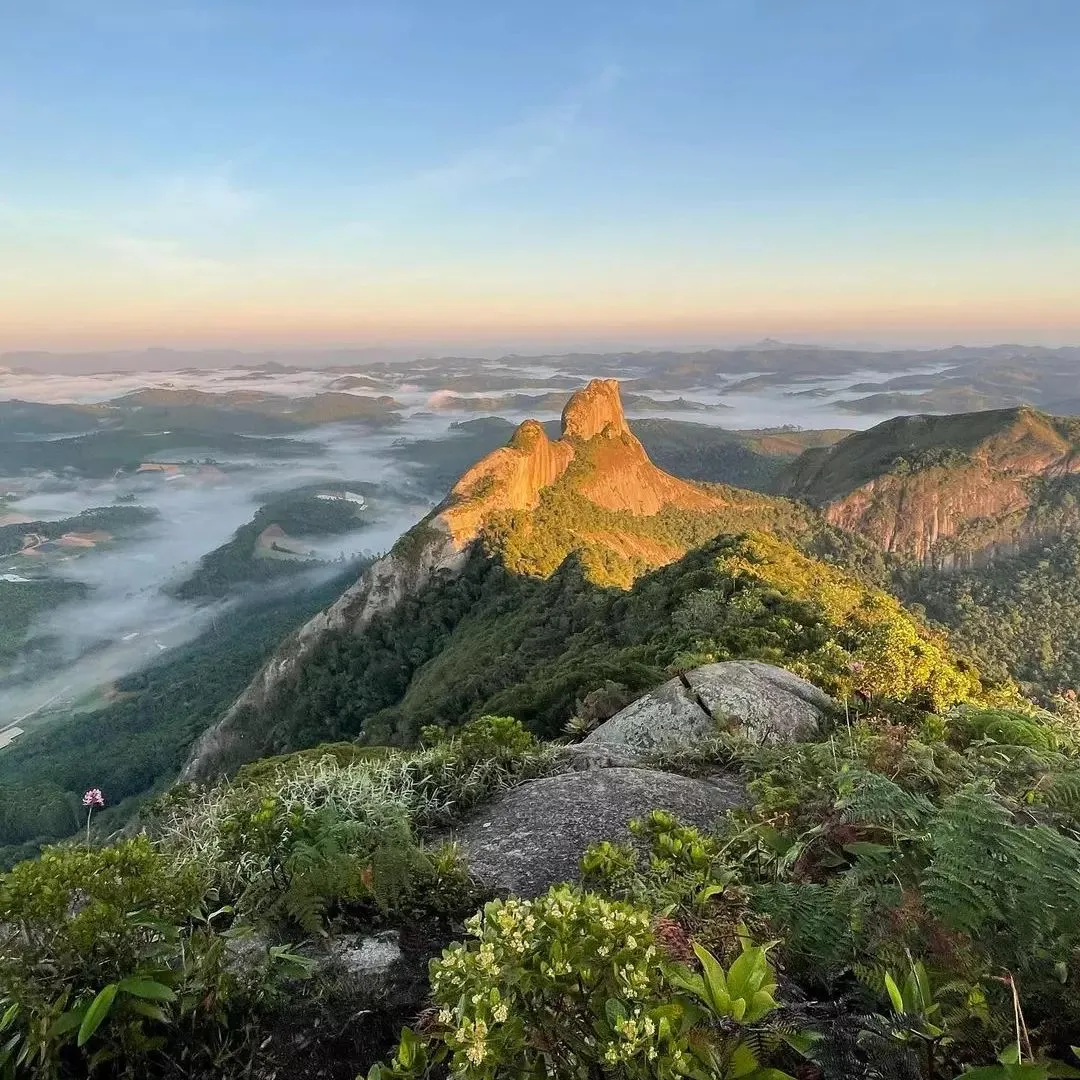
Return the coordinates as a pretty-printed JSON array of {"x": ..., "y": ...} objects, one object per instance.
[{"x": 128, "y": 620}]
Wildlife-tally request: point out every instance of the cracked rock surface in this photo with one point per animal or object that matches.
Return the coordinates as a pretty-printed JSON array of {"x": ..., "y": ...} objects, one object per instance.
[
  {"x": 533, "y": 836},
  {"x": 765, "y": 703}
]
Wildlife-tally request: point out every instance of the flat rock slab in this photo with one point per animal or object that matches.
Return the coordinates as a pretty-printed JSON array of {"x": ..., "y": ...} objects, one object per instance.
[
  {"x": 533, "y": 836},
  {"x": 766, "y": 703}
]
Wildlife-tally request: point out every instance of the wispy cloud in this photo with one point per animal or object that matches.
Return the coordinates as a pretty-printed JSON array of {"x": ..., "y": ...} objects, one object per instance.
[
  {"x": 167, "y": 233},
  {"x": 523, "y": 148}
]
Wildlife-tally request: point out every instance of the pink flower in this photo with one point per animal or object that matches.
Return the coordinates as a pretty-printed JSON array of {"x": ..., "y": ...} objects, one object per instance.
[{"x": 93, "y": 798}]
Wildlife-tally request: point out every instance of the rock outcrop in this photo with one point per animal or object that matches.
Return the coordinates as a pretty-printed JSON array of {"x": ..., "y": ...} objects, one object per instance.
[
  {"x": 615, "y": 473},
  {"x": 349, "y": 1008},
  {"x": 765, "y": 703},
  {"x": 533, "y": 836},
  {"x": 946, "y": 490}
]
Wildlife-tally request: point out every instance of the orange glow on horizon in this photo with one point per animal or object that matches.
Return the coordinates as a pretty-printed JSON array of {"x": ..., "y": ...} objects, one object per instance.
[{"x": 270, "y": 327}]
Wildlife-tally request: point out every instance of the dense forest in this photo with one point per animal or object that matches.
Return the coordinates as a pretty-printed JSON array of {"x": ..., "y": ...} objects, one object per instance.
[
  {"x": 22, "y": 602},
  {"x": 137, "y": 743},
  {"x": 1015, "y": 614},
  {"x": 492, "y": 641}
]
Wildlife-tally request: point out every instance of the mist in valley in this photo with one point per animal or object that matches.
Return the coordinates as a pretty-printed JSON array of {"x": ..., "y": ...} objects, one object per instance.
[{"x": 128, "y": 617}]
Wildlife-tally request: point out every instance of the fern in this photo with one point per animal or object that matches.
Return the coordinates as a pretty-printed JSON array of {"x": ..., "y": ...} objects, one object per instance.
[
  {"x": 1015, "y": 885},
  {"x": 821, "y": 923},
  {"x": 870, "y": 799}
]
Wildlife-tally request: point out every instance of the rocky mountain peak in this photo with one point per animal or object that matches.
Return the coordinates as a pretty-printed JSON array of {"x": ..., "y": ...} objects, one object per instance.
[{"x": 596, "y": 410}]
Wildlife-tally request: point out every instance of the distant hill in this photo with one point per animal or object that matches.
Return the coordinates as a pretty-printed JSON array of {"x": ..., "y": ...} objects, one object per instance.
[
  {"x": 292, "y": 413},
  {"x": 948, "y": 490},
  {"x": 752, "y": 459}
]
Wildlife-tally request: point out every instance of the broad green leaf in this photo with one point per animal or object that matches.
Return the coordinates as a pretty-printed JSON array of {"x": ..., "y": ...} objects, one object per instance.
[
  {"x": 747, "y": 973},
  {"x": 742, "y": 1063},
  {"x": 715, "y": 981},
  {"x": 614, "y": 1010},
  {"x": 67, "y": 1021},
  {"x": 773, "y": 839},
  {"x": 9, "y": 1016},
  {"x": 686, "y": 979},
  {"x": 761, "y": 1004},
  {"x": 922, "y": 984},
  {"x": 801, "y": 1041},
  {"x": 99, "y": 1009},
  {"x": 149, "y": 1010},
  {"x": 705, "y": 895},
  {"x": 895, "y": 996},
  {"x": 148, "y": 989}
]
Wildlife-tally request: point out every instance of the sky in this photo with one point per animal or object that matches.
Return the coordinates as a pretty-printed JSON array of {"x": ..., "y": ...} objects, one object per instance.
[{"x": 280, "y": 172}]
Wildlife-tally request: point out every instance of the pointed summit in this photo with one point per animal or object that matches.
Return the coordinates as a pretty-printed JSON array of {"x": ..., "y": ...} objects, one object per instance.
[
  {"x": 612, "y": 473},
  {"x": 596, "y": 410}
]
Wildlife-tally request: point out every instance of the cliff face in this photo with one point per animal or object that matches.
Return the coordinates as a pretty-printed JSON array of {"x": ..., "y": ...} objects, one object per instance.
[
  {"x": 242, "y": 735},
  {"x": 613, "y": 470},
  {"x": 596, "y": 460},
  {"x": 948, "y": 491},
  {"x": 511, "y": 478}
]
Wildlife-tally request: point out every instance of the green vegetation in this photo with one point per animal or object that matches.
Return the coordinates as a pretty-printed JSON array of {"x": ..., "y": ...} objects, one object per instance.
[
  {"x": 237, "y": 562},
  {"x": 114, "y": 520},
  {"x": 489, "y": 641},
  {"x": 917, "y": 442},
  {"x": 900, "y": 899},
  {"x": 137, "y": 743},
  {"x": 570, "y": 985},
  {"x": 21, "y": 603},
  {"x": 102, "y": 453},
  {"x": 121, "y": 960},
  {"x": 616, "y": 546},
  {"x": 754, "y": 460},
  {"x": 1014, "y": 615}
]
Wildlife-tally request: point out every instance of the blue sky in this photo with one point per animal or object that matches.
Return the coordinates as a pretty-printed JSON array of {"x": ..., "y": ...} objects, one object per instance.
[{"x": 236, "y": 170}]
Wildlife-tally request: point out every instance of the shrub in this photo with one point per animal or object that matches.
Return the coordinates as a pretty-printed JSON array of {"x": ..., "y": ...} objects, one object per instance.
[
  {"x": 967, "y": 725},
  {"x": 573, "y": 985},
  {"x": 99, "y": 959}
]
